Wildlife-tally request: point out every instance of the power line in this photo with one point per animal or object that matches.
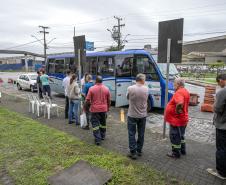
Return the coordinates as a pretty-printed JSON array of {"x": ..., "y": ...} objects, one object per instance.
[
  {"x": 20, "y": 45},
  {"x": 179, "y": 10},
  {"x": 87, "y": 22}
]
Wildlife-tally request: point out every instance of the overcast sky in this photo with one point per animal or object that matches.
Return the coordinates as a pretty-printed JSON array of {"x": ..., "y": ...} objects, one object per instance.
[{"x": 19, "y": 19}]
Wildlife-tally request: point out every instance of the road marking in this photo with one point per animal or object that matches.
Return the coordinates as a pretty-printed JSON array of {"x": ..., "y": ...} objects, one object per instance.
[{"x": 122, "y": 115}]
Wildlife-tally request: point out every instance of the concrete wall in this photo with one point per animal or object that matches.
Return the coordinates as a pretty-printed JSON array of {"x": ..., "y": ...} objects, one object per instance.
[{"x": 214, "y": 59}]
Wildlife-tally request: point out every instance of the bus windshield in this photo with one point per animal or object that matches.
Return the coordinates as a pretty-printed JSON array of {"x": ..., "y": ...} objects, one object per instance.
[
  {"x": 173, "y": 72},
  {"x": 172, "y": 69}
]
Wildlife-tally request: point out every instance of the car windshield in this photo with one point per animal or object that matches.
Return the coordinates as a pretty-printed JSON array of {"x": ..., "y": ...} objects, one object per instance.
[
  {"x": 33, "y": 77},
  {"x": 172, "y": 69}
]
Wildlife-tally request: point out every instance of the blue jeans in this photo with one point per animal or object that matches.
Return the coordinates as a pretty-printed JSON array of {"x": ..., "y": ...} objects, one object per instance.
[
  {"x": 74, "y": 111},
  {"x": 46, "y": 90},
  {"x": 133, "y": 125}
]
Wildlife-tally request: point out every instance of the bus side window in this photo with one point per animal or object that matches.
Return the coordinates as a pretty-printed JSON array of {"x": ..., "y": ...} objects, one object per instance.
[
  {"x": 91, "y": 65},
  {"x": 51, "y": 66},
  {"x": 67, "y": 61},
  {"x": 106, "y": 66},
  {"x": 124, "y": 67},
  {"x": 71, "y": 66},
  {"x": 59, "y": 66},
  {"x": 143, "y": 65}
]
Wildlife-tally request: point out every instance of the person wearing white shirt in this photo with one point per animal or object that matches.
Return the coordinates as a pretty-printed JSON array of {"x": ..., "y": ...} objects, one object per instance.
[{"x": 65, "y": 84}]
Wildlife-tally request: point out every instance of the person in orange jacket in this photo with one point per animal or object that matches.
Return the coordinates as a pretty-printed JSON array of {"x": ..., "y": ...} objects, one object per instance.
[{"x": 176, "y": 115}]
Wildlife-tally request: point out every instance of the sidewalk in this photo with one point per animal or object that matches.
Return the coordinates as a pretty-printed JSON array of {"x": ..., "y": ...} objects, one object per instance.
[{"x": 190, "y": 168}]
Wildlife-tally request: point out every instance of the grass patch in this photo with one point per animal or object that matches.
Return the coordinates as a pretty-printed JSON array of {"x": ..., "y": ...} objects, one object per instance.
[
  {"x": 32, "y": 152},
  {"x": 210, "y": 80}
]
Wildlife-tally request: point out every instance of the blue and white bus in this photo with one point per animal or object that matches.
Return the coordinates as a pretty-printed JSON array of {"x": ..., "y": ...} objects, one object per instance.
[{"x": 118, "y": 69}]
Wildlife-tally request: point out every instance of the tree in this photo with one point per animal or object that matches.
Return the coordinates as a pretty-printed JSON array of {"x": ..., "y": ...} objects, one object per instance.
[
  {"x": 115, "y": 48},
  {"x": 217, "y": 65}
]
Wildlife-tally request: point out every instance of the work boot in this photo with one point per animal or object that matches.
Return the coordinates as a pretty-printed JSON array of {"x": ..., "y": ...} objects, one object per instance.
[
  {"x": 173, "y": 155},
  {"x": 132, "y": 156},
  {"x": 139, "y": 153},
  {"x": 86, "y": 127}
]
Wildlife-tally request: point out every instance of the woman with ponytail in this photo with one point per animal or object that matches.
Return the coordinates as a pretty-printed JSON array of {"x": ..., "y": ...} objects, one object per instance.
[{"x": 74, "y": 99}]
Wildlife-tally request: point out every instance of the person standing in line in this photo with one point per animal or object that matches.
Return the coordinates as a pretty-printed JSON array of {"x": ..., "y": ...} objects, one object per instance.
[
  {"x": 219, "y": 121},
  {"x": 84, "y": 80},
  {"x": 65, "y": 84},
  {"x": 137, "y": 95},
  {"x": 74, "y": 100},
  {"x": 39, "y": 85},
  {"x": 45, "y": 83},
  {"x": 99, "y": 99},
  {"x": 85, "y": 91},
  {"x": 176, "y": 114}
]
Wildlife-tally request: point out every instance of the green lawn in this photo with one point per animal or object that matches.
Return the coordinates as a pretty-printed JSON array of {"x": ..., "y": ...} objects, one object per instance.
[
  {"x": 210, "y": 80},
  {"x": 32, "y": 152}
]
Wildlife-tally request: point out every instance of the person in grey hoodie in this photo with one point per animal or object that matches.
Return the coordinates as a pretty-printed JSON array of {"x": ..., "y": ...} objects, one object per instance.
[
  {"x": 219, "y": 121},
  {"x": 74, "y": 100}
]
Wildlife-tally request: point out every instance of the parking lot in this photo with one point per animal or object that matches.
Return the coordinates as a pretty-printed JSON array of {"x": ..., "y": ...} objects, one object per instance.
[{"x": 200, "y": 127}]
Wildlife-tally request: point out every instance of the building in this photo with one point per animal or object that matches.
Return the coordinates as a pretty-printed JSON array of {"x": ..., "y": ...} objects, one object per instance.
[
  {"x": 18, "y": 63},
  {"x": 205, "y": 51}
]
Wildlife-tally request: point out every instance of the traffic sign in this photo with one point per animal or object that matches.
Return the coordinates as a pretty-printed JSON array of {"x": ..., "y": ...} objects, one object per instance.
[{"x": 89, "y": 46}]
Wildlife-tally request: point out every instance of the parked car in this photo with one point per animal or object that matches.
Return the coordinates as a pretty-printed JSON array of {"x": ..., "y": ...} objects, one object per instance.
[{"x": 27, "y": 81}]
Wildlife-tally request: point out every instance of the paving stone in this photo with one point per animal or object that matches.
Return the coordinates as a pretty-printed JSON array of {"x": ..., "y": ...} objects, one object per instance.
[{"x": 81, "y": 173}]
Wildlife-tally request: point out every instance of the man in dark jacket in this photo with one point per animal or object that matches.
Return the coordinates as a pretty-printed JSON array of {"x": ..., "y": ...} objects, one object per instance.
[{"x": 219, "y": 121}]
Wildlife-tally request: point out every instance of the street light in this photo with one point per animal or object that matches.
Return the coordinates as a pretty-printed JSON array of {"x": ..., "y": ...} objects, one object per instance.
[
  {"x": 51, "y": 40},
  {"x": 124, "y": 40},
  {"x": 37, "y": 39}
]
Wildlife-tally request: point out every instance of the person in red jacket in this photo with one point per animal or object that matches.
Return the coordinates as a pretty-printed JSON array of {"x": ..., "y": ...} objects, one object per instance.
[{"x": 176, "y": 114}]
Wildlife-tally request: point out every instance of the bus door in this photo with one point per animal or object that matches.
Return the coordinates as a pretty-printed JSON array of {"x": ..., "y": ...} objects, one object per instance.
[
  {"x": 124, "y": 66},
  {"x": 106, "y": 67},
  {"x": 50, "y": 68},
  {"x": 144, "y": 65}
]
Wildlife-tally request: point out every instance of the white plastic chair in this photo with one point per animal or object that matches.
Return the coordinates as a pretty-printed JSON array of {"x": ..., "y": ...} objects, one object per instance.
[
  {"x": 31, "y": 103},
  {"x": 39, "y": 105},
  {"x": 49, "y": 105}
]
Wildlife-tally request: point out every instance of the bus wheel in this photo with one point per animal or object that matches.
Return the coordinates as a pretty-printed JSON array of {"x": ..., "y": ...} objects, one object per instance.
[{"x": 150, "y": 107}]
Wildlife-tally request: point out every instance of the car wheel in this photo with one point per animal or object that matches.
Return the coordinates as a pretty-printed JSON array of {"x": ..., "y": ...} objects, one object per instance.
[
  {"x": 32, "y": 88},
  {"x": 19, "y": 87}
]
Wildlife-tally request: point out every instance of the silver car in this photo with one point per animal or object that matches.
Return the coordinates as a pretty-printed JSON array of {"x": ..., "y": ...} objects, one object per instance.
[{"x": 27, "y": 81}]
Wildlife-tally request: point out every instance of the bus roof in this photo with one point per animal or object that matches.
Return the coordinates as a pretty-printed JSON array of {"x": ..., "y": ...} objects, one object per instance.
[{"x": 102, "y": 53}]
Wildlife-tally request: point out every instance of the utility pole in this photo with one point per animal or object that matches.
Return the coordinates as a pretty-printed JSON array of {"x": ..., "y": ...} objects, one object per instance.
[
  {"x": 119, "y": 30},
  {"x": 116, "y": 32},
  {"x": 44, "y": 34}
]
